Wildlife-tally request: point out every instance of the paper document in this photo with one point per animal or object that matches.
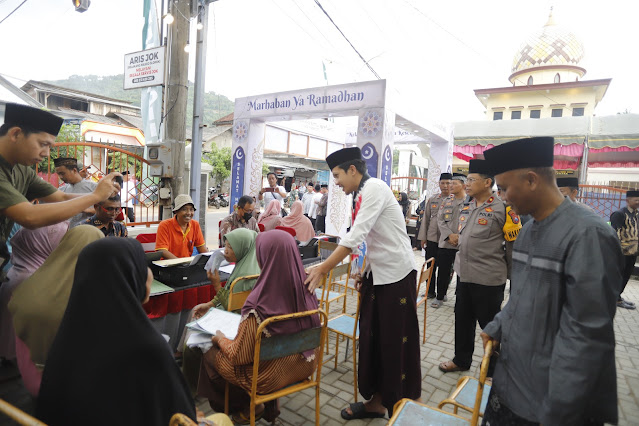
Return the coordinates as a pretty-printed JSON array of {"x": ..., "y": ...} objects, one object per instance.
[
  {"x": 173, "y": 262},
  {"x": 217, "y": 256},
  {"x": 228, "y": 268},
  {"x": 217, "y": 320},
  {"x": 196, "y": 339}
]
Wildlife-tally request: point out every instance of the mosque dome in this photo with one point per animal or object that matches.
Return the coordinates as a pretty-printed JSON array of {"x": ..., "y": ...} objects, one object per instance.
[{"x": 551, "y": 47}]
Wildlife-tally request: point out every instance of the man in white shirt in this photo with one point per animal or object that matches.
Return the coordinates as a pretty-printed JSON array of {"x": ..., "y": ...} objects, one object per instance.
[
  {"x": 389, "y": 359},
  {"x": 307, "y": 199},
  {"x": 272, "y": 191},
  {"x": 317, "y": 197}
]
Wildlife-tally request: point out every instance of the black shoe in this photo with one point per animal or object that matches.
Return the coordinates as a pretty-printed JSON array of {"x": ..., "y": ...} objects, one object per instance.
[{"x": 430, "y": 296}]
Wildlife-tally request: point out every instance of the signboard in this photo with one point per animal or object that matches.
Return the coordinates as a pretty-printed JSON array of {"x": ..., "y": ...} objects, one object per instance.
[{"x": 144, "y": 69}]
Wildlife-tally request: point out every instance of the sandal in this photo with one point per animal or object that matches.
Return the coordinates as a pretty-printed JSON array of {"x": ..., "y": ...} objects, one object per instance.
[
  {"x": 359, "y": 412},
  {"x": 241, "y": 419},
  {"x": 450, "y": 367}
]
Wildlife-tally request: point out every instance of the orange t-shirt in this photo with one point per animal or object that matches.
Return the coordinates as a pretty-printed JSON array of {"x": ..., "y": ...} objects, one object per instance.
[{"x": 170, "y": 237}]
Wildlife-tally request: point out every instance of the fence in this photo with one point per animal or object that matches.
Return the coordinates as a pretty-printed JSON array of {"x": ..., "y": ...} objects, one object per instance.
[
  {"x": 141, "y": 190},
  {"x": 603, "y": 199}
]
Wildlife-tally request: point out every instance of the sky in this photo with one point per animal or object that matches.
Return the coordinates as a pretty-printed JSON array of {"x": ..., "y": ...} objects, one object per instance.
[{"x": 433, "y": 54}]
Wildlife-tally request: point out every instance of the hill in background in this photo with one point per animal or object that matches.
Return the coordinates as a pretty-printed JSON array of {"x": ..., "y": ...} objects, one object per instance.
[{"x": 215, "y": 105}]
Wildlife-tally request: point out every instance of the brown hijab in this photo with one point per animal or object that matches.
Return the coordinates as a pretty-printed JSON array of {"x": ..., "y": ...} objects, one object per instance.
[{"x": 38, "y": 304}]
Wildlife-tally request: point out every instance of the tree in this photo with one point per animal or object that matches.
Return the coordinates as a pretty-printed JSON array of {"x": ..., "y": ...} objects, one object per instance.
[
  {"x": 220, "y": 160},
  {"x": 395, "y": 161}
]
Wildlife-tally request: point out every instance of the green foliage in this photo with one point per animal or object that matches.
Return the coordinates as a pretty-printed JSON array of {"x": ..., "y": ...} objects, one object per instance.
[
  {"x": 395, "y": 161},
  {"x": 215, "y": 105},
  {"x": 265, "y": 169},
  {"x": 68, "y": 133},
  {"x": 220, "y": 160}
]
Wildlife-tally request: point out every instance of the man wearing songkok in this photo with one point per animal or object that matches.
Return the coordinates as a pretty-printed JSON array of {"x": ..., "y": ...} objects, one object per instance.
[
  {"x": 448, "y": 224},
  {"x": 480, "y": 263},
  {"x": 104, "y": 218},
  {"x": 569, "y": 187},
  {"x": 25, "y": 140},
  {"x": 67, "y": 170},
  {"x": 625, "y": 223},
  {"x": 429, "y": 231},
  {"x": 389, "y": 361},
  {"x": 557, "y": 357}
]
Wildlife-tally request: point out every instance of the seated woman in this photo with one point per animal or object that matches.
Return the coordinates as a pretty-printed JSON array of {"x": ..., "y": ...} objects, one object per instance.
[
  {"x": 176, "y": 237},
  {"x": 272, "y": 216},
  {"x": 38, "y": 304},
  {"x": 279, "y": 290},
  {"x": 30, "y": 249},
  {"x": 303, "y": 226},
  {"x": 107, "y": 364}
]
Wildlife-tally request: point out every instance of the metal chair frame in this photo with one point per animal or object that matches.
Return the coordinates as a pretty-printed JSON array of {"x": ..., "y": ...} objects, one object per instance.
[{"x": 426, "y": 276}]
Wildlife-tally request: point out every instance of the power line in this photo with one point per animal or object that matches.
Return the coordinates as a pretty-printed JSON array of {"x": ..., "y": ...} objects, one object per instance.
[
  {"x": 349, "y": 42},
  {"x": 13, "y": 11}
]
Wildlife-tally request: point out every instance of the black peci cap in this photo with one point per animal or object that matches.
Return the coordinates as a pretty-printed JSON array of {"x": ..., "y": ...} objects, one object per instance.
[
  {"x": 32, "y": 118},
  {"x": 65, "y": 161},
  {"x": 564, "y": 182},
  {"x": 521, "y": 154},
  {"x": 479, "y": 166},
  {"x": 342, "y": 156},
  {"x": 445, "y": 176},
  {"x": 632, "y": 193}
]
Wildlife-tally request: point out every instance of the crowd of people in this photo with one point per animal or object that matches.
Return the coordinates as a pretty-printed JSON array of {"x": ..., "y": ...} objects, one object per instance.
[{"x": 567, "y": 269}]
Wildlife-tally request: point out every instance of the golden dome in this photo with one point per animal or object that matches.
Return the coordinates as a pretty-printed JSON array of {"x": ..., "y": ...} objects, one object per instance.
[{"x": 552, "y": 46}]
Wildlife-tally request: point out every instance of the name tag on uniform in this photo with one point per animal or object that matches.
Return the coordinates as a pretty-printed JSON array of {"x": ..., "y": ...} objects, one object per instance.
[{"x": 482, "y": 221}]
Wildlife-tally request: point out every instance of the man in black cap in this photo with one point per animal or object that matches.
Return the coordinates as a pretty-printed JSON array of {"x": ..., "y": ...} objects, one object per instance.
[
  {"x": 429, "y": 231},
  {"x": 25, "y": 139},
  {"x": 389, "y": 362},
  {"x": 320, "y": 222},
  {"x": 447, "y": 224},
  {"x": 557, "y": 357},
  {"x": 569, "y": 187},
  {"x": 68, "y": 171},
  {"x": 625, "y": 222},
  {"x": 480, "y": 263}
]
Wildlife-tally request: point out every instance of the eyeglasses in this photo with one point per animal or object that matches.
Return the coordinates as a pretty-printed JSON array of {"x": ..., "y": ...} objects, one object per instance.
[
  {"x": 111, "y": 209},
  {"x": 471, "y": 180}
]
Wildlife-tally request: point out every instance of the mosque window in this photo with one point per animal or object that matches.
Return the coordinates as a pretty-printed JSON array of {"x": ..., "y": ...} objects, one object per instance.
[
  {"x": 557, "y": 112},
  {"x": 577, "y": 112},
  {"x": 515, "y": 115},
  {"x": 530, "y": 81},
  {"x": 535, "y": 113},
  {"x": 557, "y": 78},
  {"x": 498, "y": 115}
]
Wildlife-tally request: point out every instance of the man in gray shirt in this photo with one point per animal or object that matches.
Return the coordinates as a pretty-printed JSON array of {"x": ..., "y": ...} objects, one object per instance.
[
  {"x": 68, "y": 171},
  {"x": 557, "y": 357}
]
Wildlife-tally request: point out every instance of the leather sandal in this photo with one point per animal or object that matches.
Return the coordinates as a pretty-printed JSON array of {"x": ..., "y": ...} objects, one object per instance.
[{"x": 450, "y": 367}]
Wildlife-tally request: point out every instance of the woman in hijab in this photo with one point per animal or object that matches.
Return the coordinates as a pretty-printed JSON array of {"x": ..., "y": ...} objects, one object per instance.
[
  {"x": 404, "y": 203},
  {"x": 30, "y": 249},
  {"x": 296, "y": 220},
  {"x": 39, "y": 302},
  {"x": 271, "y": 216},
  {"x": 107, "y": 364},
  {"x": 278, "y": 291}
]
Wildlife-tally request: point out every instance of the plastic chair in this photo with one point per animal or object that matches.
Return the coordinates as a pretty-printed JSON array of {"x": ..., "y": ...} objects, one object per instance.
[
  {"x": 261, "y": 227},
  {"x": 469, "y": 397},
  {"x": 283, "y": 345},
  {"x": 147, "y": 241},
  {"x": 17, "y": 415},
  {"x": 287, "y": 229},
  {"x": 347, "y": 326},
  {"x": 326, "y": 294},
  {"x": 425, "y": 276},
  {"x": 236, "y": 300}
]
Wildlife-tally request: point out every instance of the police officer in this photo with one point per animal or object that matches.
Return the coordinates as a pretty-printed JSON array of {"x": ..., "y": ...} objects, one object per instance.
[
  {"x": 25, "y": 140},
  {"x": 448, "y": 223},
  {"x": 480, "y": 263},
  {"x": 428, "y": 230}
]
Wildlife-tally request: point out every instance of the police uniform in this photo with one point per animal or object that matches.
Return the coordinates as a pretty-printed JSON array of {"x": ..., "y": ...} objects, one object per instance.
[
  {"x": 447, "y": 222},
  {"x": 429, "y": 230},
  {"x": 481, "y": 269}
]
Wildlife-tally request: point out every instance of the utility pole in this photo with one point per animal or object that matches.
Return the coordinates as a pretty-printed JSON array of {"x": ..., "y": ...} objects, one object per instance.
[{"x": 177, "y": 86}]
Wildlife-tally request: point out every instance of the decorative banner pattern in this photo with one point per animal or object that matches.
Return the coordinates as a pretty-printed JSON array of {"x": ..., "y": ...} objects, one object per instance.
[
  {"x": 338, "y": 210},
  {"x": 237, "y": 180},
  {"x": 369, "y": 153},
  {"x": 387, "y": 165}
]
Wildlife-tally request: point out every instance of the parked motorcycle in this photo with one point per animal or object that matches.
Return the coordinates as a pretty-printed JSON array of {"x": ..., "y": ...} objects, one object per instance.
[
  {"x": 213, "y": 199},
  {"x": 223, "y": 200}
]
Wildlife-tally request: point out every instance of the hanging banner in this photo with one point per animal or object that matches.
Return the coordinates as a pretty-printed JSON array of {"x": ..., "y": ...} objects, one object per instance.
[
  {"x": 387, "y": 165},
  {"x": 151, "y": 105},
  {"x": 369, "y": 153},
  {"x": 237, "y": 180}
]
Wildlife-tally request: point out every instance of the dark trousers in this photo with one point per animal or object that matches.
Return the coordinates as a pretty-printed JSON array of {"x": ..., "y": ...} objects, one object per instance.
[
  {"x": 628, "y": 268},
  {"x": 445, "y": 260},
  {"x": 389, "y": 360},
  {"x": 130, "y": 214},
  {"x": 320, "y": 224},
  {"x": 312, "y": 222},
  {"x": 475, "y": 303},
  {"x": 432, "y": 249}
]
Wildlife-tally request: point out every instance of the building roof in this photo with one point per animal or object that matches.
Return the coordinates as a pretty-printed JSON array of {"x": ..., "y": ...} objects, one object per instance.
[
  {"x": 227, "y": 119},
  {"x": 10, "y": 93},
  {"x": 71, "y": 114},
  {"x": 552, "y": 45},
  {"x": 72, "y": 93},
  {"x": 128, "y": 119}
]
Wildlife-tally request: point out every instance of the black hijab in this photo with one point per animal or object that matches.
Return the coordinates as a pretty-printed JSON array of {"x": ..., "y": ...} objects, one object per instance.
[{"x": 107, "y": 364}]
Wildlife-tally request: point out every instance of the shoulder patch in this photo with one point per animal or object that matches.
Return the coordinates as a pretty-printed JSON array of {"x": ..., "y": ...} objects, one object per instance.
[{"x": 490, "y": 200}]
